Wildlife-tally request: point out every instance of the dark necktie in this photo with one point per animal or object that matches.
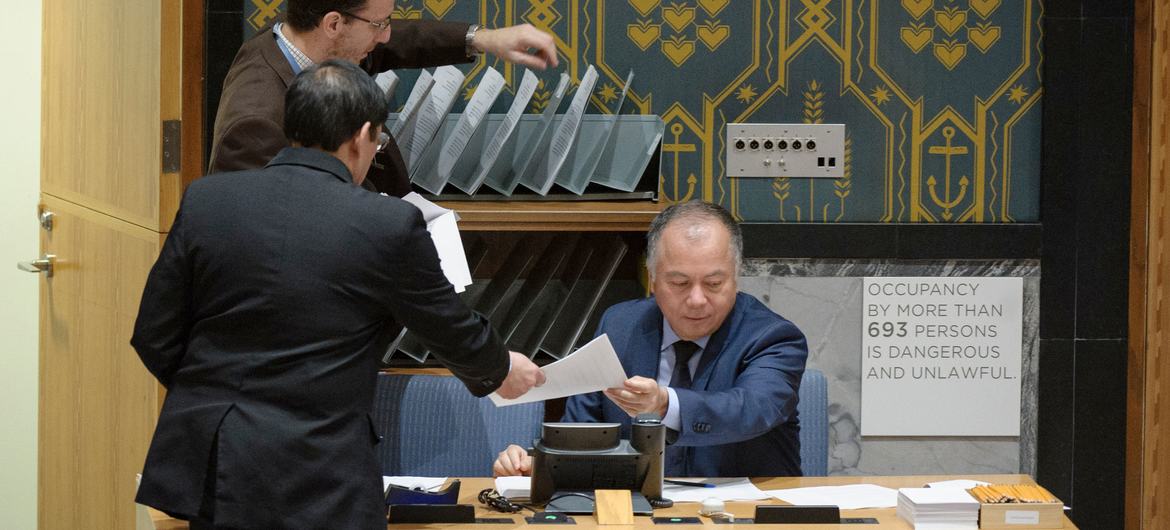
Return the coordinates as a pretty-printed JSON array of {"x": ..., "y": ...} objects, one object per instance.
[{"x": 683, "y": 351}]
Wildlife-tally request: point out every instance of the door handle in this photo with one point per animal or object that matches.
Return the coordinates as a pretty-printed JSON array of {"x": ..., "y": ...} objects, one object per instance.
[{"x": 45, "y": 265}]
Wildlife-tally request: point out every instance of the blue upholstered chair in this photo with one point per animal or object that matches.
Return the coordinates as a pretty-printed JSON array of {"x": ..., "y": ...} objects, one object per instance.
[
  {"x": 814, "y": 424},
  {"x": 433, "y": 427}
]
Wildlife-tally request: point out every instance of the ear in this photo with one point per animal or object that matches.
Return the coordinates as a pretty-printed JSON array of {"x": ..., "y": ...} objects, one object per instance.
[
  {"x": 331, "y": 23},
  {"x": 361, "y": 137}
]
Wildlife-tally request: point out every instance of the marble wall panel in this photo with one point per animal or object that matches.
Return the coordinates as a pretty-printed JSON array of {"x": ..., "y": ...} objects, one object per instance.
[{"x": 824, "y": 298}]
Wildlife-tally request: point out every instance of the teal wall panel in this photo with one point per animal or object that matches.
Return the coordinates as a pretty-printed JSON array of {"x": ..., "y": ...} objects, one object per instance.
[{"x": 941, "y": 98}]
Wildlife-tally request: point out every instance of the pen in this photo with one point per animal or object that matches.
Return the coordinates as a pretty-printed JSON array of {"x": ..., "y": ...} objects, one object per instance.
[{"x": 686, "y": 483}]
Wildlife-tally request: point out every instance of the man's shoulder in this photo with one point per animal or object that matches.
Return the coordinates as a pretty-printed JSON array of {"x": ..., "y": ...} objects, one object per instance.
[
  {"x": 252, "y": 79},
  {"x": 629, "y": 308},
  {"x": 755, "y": 312},
  {"x": 754, "y": 322}
]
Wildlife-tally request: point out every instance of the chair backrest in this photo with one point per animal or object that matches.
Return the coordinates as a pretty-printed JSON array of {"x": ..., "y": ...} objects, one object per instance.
[
  {"x": 433, "y": 427},
  {"x": 814, "y": 423}
]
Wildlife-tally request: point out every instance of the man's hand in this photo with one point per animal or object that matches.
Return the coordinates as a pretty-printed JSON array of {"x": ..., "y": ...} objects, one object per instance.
[
  {"x": 513, "y": 461},
  {"x": 638, "y": 395},
  {"x": 523, "y": 376},
  {"x": 522, "y": 44}
]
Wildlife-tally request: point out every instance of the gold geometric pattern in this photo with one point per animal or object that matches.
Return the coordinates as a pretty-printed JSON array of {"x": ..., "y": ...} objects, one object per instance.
[
  {"x": 439, "y": 8},
  {"x": 542, "y": 14},
  {"x": 950, "y": 21},
  {"x": 672, "y": 31},
  {"x": 265, "y": 11}
]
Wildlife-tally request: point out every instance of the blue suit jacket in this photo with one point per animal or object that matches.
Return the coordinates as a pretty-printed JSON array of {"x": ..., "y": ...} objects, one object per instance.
[{"x": 739, "y": 417}]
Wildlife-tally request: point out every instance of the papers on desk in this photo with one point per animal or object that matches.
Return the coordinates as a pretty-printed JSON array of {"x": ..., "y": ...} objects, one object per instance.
[
  {"x": 726, "y": 489},
  {"x": 848, "y": 497},
  {"x": 422, "y": 483},
  {"x": 441, "y": 223},
  {"x": 514, "y": 487},
  {"x": 593, "y": 367},
  {"x": 938, "y": 508}
]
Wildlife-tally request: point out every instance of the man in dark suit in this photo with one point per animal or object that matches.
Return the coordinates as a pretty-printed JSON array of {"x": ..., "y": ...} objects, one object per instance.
[
  {"x": 248, "y": 123},
  {"x": 265, "y": 315},
  {"x": 718, "y": 366}
]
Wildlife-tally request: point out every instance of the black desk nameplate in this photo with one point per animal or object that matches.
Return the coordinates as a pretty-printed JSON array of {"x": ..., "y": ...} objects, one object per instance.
[
  {"x": 773, "y": 514},
  {"x": 431, "y": 513}
]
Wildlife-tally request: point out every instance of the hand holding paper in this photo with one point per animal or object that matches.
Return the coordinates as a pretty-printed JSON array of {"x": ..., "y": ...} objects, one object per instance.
[
  {"x": 522, "y": 378},
  {"x": 592, "y": 368}
]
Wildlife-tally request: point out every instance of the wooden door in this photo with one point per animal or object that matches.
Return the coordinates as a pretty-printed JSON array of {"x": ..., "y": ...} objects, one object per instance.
[{"x": 110, "y": 79}]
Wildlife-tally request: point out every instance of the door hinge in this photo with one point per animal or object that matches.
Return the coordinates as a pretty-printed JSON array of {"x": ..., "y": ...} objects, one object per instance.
[{"x": 172, "y": 146}]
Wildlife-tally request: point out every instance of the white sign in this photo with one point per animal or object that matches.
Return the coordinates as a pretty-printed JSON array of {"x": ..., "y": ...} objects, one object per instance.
[{"x": 941, "y": 356}]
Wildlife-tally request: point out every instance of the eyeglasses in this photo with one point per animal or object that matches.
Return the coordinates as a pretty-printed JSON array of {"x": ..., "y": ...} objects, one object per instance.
[
  {"x": 383, "y": 140},
  {"x": 381, "y": 25}
]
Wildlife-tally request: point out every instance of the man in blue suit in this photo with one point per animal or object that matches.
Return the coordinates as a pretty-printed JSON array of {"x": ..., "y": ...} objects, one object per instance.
[{"x": 718, "y": 366}]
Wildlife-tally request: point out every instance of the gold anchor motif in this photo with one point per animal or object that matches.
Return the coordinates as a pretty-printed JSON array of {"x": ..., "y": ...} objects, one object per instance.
[
  {"x": 676, "y": 148},
  {"x": 948, "y": 151}
]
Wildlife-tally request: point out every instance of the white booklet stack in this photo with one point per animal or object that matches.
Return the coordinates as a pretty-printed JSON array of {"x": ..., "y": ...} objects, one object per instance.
[{"x": 938, "y": 508}]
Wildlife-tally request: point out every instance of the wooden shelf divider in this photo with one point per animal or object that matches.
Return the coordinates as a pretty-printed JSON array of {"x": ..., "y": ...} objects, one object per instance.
[{"x": 583, "y": 216}]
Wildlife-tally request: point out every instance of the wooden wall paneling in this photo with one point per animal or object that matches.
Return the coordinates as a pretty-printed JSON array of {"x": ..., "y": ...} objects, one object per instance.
[
  {"x": 100, "y": 108},
  {"x": 1148, "y": 425},
  {"x": 192, "y": 90},
  {"x": 170, "y": 110},
  {"x": 1157, "y": 313},
  {"x": 1139, "y": 195}
]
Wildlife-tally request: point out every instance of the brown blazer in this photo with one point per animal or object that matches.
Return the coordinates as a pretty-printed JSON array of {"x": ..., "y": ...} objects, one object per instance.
[{"x": 249, "y": 125}]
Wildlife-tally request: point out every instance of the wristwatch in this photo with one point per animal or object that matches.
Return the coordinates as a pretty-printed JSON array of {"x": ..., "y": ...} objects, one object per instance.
[{"x": 471, "y": 51}]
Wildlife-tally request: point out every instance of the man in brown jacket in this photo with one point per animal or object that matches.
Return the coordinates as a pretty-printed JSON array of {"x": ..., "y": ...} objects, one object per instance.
[{"x": 249, "y": 122}]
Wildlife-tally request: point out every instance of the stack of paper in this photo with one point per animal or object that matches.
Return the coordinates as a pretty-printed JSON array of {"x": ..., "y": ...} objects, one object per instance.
[
  {"x": 514, "y": 487},
  {"x": 419, "y": 483},
  {"x": 938, "y": 508}
]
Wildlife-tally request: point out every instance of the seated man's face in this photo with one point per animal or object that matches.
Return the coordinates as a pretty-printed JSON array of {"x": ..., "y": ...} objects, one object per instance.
[{"x": 694, "y": 277}]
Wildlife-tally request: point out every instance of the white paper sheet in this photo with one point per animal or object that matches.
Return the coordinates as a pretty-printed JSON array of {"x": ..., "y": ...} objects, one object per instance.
[
  {"x": 488, "y": 160},
  {"x": 726, "y": 489},
  {"x": 433, "y": 112},
  {"x": 514, "y": 487},
  {"x": 566, "y": 134},
  {"x": 485, "y": 95},
  {"x": 848, "y": 497},
  {"x": 422, "y": 87},
  {"x": 444, "y": 229},
  {"x": 578, "y": 181},
  {"x": 593, "y": 367},
  {"x": 537, "y": 149},
  {"x": 423, "y": 483},
  {"x": 387, "y": 81}
]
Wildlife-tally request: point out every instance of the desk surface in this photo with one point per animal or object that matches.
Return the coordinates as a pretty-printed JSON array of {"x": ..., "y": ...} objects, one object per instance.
[{"x": 885, "y": 516}]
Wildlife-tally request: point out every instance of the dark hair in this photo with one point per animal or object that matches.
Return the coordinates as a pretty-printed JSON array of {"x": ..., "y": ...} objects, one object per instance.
[
  {"x": 695, "y": 213},
  {"x": 329, "y": 102},
  {"x": 304, "y": 15}
]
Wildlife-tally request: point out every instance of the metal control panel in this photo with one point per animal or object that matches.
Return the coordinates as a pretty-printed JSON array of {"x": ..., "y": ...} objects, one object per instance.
[{"x": 770, "y": 150}]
